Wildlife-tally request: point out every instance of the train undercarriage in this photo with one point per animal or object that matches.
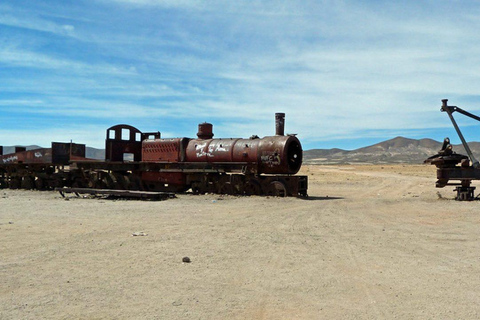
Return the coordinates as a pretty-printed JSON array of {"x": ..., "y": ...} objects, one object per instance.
[{"x": 148, "y": 177}]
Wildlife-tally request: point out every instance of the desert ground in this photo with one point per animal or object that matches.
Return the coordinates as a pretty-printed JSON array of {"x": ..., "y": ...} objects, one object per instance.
[{"x": 371, "y": 242}]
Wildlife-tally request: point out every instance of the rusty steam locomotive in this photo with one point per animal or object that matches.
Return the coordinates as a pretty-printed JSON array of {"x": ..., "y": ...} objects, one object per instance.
[{"x": 136, "y": 160}]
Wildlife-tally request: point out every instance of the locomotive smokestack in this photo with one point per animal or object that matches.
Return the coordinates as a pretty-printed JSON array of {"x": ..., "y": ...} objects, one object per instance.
[
  {"x": 205, "y": 131},
  {"x": 279, "y": 124}
]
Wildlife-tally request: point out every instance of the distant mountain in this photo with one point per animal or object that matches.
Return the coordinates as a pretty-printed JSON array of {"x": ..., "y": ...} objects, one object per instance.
[
  {"x": 93, "y": 153},
  {"x": 397, "y": 150}
]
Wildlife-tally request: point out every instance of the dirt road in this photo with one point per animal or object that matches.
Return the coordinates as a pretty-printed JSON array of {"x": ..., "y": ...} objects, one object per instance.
[{"x": 371, "y": 242}]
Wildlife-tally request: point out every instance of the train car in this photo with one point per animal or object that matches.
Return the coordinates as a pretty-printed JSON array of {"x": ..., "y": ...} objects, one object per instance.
[
  {"x": 42, "y": 168},
  {"x": 135, "y": 160}
]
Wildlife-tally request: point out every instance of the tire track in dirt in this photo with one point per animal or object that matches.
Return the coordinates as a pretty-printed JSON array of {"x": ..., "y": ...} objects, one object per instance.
[
  {"x": 353, "y": 267},
  {"x": 395, "y": 183},
  {"x": 283, "y": 232},
  {"x": 382, "y": 183},
  {"x": 339, "y": 245}
]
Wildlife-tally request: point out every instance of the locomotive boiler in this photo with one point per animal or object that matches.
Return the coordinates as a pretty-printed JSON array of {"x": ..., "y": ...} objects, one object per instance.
[
  {"x": 271, "y": 155},
  {"x": 135, "y": 160}
]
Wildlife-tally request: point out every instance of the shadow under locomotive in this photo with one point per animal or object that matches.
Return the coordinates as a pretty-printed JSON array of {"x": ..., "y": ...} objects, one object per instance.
[{"x": 136, "y": 160}]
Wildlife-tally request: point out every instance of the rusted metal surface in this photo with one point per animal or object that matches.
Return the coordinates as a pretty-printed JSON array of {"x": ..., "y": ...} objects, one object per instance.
[
  {"x": 269, "y": 155},
  {"x": 210, "y": 150},
  {"x": 123, "y": 140},
  {"x": 164, "y": 150},
  {"x": 118, "y": 193},
  {"x": 456, "y": 169},
  {"x": 205, "y": 131},
  {"x": 281, "y": 154},
  {"x": 279, "y": 124},
  {"x": 141, "y": 161},
  {"x": 63, "y": 153},
  {"x": 450, "y": 110},
  {"x": 274, "y": 185},
  {"x": 272, "y": 155},
  {"x": 40, "y": 169},
  {"x": 31, "y": 156},
  {"x": 59, "y": 153},
  {"x": 154, "y": 180}
]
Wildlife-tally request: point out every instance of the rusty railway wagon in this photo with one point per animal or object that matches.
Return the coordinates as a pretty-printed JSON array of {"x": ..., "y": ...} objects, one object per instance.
[
  {"x": 136, "y": 160},
  {"x": 43, "y": 168}
]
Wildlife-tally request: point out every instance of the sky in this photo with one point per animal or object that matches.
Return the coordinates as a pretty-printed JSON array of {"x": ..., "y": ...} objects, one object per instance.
[{"x": 347, "y": 74}]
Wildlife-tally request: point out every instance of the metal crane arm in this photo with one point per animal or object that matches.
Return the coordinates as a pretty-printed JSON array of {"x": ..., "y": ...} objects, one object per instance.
[{"x": 450, "y": 110}]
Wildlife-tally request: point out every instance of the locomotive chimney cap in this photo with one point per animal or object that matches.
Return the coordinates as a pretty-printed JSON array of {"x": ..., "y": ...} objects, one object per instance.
[{"x": 205, "y": 131}]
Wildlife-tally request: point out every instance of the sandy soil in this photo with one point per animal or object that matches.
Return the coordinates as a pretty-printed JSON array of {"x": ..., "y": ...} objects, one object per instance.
[{"x": 372, "y": 242}]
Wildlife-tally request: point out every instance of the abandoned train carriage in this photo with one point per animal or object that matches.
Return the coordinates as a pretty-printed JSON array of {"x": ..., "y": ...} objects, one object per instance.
[
  {"x": 43, "y": 168},
  {"x": 144, "y": 161}
]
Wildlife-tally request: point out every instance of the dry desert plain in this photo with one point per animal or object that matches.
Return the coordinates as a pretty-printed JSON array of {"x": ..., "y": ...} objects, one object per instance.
[{"x": 371, "y": 242}]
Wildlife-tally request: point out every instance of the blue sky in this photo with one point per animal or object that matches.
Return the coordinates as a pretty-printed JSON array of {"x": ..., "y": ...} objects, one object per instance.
[{"x": 346, "y": 73}]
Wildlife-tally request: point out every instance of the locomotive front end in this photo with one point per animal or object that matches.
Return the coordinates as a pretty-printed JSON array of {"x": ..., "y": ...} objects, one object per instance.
[{"x": 280, "y": 154}]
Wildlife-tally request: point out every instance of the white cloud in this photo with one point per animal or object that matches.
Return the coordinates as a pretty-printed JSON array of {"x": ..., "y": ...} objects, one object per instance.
[
  {"x": 338, "y": 69},
  {"x": 15, "y": 56},
  {"x": 22, "y": 18}
]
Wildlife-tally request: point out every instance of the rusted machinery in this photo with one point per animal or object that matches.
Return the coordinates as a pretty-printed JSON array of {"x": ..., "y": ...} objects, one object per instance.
[
  {"x": 143, "y": 161},
  {"x": 455, "y": 167},
  {"x": 43, "y": 168}
]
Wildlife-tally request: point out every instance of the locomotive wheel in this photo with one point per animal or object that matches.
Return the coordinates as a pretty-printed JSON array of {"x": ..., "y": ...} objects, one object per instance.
[
  {"x": 277, "y": 189},
  {"x": 253, "y": 187},
  {"x": 27, "y": 183},
  {"x": 14, "y": 183},
  {"x": 120, "y": 183},
  {"x": 57, "y": 182},
  {"x": 129, "y": 183},
  {"x": 227, "y": 188},
  {"x": 125, "y": 182},
  {"x": 108, "y": 181},
  {"x": 196, "y": 187},
  {"x": 39, "y": 184},
  {"x": 199, "y": 188},
  {"x": 100, "y": 184},
  {"x": 134, "y": 182},
  {"x": 79, "y": 183}
]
